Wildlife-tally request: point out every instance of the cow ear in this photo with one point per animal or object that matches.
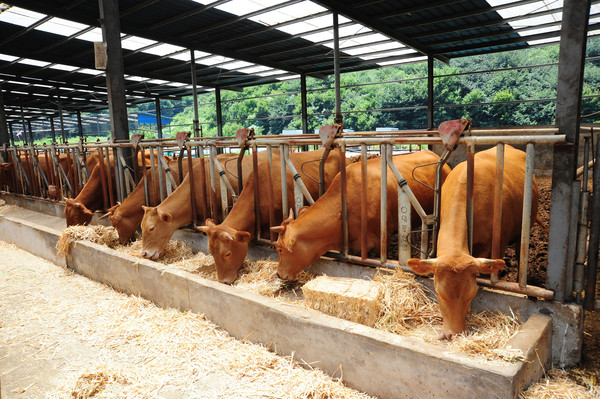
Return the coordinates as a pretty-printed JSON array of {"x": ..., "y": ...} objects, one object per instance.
[
  {"x": 210, "y": 223},
  {"x": 489, "y": 266},
  {"x": 146, "y": 208},
  {"x": 422, "y": 266},
  {"x": 165, "y": 216},
  {"x": 302, "y": 210},
  {"x": 242, "y": 236}
]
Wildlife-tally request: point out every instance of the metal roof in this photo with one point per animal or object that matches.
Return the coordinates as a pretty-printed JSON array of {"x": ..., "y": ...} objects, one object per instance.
[{"x": 46, "y": 50}]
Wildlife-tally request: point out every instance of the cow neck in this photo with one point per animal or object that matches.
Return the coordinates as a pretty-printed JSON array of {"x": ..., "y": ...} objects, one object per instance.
[
  {"x": 92, "y": 191},
  {"x": 453, "y": 235},
  {"x": 178, "y": 204},
  {"x": 242, "y": 216},
  {"x": 313, "y": 226},
  {"x": 133, "y": 203}
]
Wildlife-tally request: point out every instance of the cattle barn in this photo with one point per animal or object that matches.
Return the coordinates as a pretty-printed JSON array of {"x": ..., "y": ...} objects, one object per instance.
[{"x": 465, "y": 207}]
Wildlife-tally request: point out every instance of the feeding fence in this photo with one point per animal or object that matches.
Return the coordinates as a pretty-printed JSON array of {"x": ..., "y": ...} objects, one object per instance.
[{"x": 39, "y": 172}]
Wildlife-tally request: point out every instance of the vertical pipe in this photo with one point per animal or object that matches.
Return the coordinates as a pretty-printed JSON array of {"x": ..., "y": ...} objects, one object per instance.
[
  {"x": 60, "y": 118},
  {"x": 430, "y": 92},
  {"x": 303, "y": 103},
  {"x": 4, "y": 138},
  {"x": 219, "y": 111},
  {"x": 336, "y": 69},
  {"x": 582, "y": 228},
  {"x": 101, "y": 166},
  {"x": 257, "y": 189},
  {"x": 470, "y": 193},
  {"x": 383, "y": 203},
  {"x": 195, "y": 96},
  {"x": 192, "y": 185},
  {"x": 526, "y": 219},
  {"x": 52, "y": 129},
  {"x": 363, "y": 202},
  {"x": 572, "y": 245},
  {"x": 118, "y": 177},
  {"x": 161, "y": 179},
  {"x": 497, "y": 217},
  {"x": 271, "y": 194},
  {"x": 240, "y": 170},
  {"x": 145, "y": 177},
  {"x": 344, "y": 199},
  {"x": 213, "y": 183},
  {"x": 79, "y": 125},
  {"x": 155, "y": 172},
  {"x": 24, "y": 134},
  {"x": 109, "y": 180},
  {"x": 437, "y": 202},
  {"x": 592, "y": 269},
  {"x": 203, "y": 187},
  {"x": 158, "y": 117},
  {"x": 284, "y": 196}
]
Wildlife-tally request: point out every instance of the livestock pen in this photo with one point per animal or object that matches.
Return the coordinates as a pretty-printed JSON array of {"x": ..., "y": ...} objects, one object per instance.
[{"x": 376, "y": 143}]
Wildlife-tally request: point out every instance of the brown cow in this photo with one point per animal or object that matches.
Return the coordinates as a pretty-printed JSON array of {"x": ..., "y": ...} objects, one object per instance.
[
  {"x": 64, "y": 162},
  {"x": 127, "y": 217},
  {"x": 228, "y": 241},
  {"x": 160, "y": 222},
  {"x": 319, "y": 228},
  {"x": 79, "y": 211},
  {"x": 454, "y": 269}
]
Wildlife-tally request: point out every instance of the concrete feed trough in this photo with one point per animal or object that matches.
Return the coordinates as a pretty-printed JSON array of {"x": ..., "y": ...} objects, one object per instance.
[{"x": 377, "y": 362}]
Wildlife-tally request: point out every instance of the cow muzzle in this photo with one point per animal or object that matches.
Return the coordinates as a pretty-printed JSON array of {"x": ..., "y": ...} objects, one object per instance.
[{"x": 150, "y": 253}]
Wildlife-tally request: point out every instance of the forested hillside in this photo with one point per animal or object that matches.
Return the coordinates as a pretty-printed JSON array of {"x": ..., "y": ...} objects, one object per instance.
[{"x": 521, "y": 90}]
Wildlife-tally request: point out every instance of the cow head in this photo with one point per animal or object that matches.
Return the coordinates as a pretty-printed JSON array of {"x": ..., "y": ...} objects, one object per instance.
[
  {"x": 76, "y": 213},
  {"x": 229, "y": 248},
  {"x": 455, "y": 285},
  {"x": 294, "y": 255},
  {"x": 125, "y": 226},
  {"x": 157, "y": 229}
]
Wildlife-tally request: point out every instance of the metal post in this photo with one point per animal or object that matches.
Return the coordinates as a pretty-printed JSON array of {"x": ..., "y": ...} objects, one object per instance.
[
  {"x": 4, "y": 137},
  {"x": 219, "y": 112},
  {"x": 52, "y": 129},
  {"x": 79, "y": 124},
  {"x": 568, "y": 108},
  {"x": 497, "y": 215},
  {"x": 158, "y": 117},
  {"x": 195, "y": 93},
  {"x": 470, "y": 193},
  {"x": 344, "y": 199},
  {"x": 24, "y": 129},
  {"x": 526, "y": 219},
  {"x": 30, "y": 131},
  {"x": 383, "y": 204},
  {"x": 62, "y": 122},
  {"x": 115, "y": 81},
  {"x": 303, "y": 103},
  {"x": 582, "y": 229},
  {"x": 11, "y": 134},
  {"x": 336, "y": 68},
  {"x": 430, "y": 101},
  {"x": 363, "y": 201},
  {"x": 592, "y": 271}
]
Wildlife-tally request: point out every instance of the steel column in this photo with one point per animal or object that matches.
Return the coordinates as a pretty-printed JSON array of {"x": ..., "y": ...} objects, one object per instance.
[
  {"x": 4, "y": 137},
  {"x": 430, "y": 101},
  {"x": 79, "y": 124},
  {"x": 158, "y": 117},
  {"x": 336, "y": 68},
  {"x": 195, "y": 93},
  {"x": 219, "y": 112},
  {"x": 303, "y": 104},
  {"x": 568, "y": 108}
]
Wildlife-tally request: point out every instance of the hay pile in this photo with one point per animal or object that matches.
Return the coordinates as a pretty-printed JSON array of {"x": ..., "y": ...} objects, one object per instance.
[
  {"x": 409, "y": 310},
  {"x": 97, "y": 234},
  {"x": 558, "y": 385},
  {"x": 406, "y": 306}
]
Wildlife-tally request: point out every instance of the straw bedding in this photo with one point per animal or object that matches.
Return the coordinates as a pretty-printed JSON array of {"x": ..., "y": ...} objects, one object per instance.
[
  {"x": 111, "y": 345},
  {"x": 406, "y": 307}
]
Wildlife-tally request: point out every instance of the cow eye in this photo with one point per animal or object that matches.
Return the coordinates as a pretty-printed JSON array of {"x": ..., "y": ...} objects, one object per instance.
[
  {"x": 151, "y": 228},
  {"x": 227, "y": 254}
]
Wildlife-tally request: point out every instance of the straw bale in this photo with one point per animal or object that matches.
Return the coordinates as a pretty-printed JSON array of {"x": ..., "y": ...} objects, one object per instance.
[{"x": 347, "y": 298}]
